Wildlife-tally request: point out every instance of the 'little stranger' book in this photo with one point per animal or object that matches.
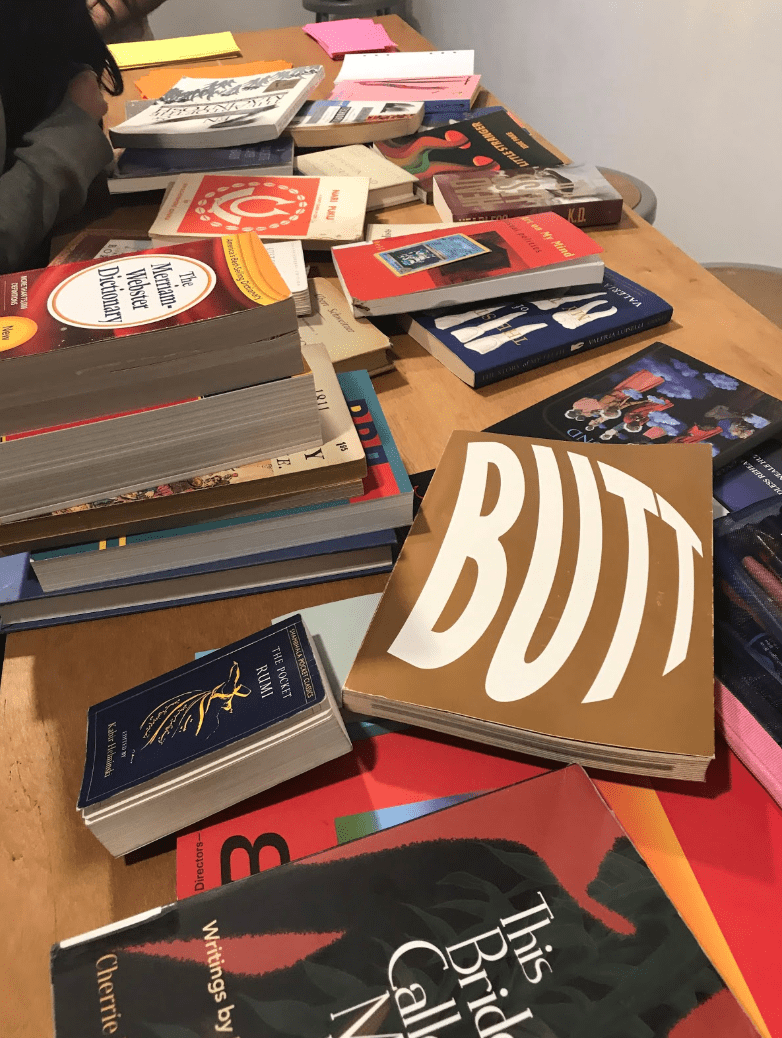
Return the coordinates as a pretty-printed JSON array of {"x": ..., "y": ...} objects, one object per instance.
[{"x": 524, "y": 912}]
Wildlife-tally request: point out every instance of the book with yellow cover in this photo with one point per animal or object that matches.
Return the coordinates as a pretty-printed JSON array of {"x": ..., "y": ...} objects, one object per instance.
[{"x": 180, "y": 48}]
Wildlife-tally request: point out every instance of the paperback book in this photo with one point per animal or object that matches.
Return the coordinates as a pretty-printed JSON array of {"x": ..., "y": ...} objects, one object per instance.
[
  {"x": 106, "y": 336},
  {"x": 579, "y": 193},
  {"x": 388, "y": 184},
  {"x": 583, "y": 635},
  {"x": 330, "y": 472},
  {"x": 322, "y": 124},
  {"x": 396, "y": 922},
  {"x": 493, "y": 142},
  {"x": 220, "y": 113},
  {"x": 486, "y": 261},
  {"x": 154, "y": 169},
  {"x": 489, "y": 343},
  {"x": 657, "y": 395},
  {"x": 321, "y": 211},
  {"x": 386, "y": 503},
  {"x": 441, "y": 79},
  {"x": 353, "y": 343},
  {"x": 350, "y": 36},
  {"x": 206, "y": 735}
]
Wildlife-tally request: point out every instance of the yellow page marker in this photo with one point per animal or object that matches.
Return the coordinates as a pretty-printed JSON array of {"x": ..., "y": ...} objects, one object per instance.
[{"x": 180, "y": 48}]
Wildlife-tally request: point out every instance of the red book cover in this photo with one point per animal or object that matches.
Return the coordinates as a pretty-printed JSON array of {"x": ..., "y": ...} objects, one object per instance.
[
  {"x": 68, "y": 305},
  {"x": 526, "y": 911},
  {"x": 700, "y": 847},
  {"x": 434, "y": 260}
]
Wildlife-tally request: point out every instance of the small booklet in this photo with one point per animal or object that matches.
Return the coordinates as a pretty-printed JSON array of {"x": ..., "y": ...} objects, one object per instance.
[{"x": 350, "y": 36}]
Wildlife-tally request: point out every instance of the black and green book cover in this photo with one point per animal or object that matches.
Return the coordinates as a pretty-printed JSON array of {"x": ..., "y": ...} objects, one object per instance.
[{"x": 523, "y": 912}]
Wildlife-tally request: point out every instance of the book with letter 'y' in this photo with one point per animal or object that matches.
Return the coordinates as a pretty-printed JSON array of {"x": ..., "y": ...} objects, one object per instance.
[
  {"x": 524, "y": 912},
  {"x": 554, "y": 598}
]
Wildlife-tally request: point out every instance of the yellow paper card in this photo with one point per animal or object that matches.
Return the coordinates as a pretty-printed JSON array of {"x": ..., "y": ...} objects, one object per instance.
[{"x": 180, "y": 48}]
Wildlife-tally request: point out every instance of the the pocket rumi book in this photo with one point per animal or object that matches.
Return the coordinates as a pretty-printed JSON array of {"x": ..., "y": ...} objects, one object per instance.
[{"x": 554, "y": 598}]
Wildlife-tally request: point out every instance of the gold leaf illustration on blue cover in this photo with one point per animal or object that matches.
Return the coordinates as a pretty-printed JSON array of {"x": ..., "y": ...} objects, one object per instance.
[{"x": 177, "y": 715}]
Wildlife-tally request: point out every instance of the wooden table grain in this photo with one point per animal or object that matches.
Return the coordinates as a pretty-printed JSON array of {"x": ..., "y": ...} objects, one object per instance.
[{"x": 57, "y": 880}]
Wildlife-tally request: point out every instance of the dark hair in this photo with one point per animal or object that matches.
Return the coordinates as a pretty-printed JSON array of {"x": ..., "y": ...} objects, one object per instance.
[{"x": 43, "y": 45}]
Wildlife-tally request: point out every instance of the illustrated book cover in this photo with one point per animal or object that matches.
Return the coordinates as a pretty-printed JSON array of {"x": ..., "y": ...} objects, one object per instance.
[
  {"x": 756, "y": 476},
  {"x": 129, "y": 331},
  {"x": 657, "y": 395},
  {"x": 488, "y": 343},
  {"x": 318, "y": 210},
  {"x": 579, "y": 193},
  {"x": 555, "y": 599},
  {"x": 495, "y": 141},
  {"x": 484, "y": 261},
  {"x": 221, "y": 112},
  {"x": 320, "y": 124},
  {"x": 364, "y": 938}
]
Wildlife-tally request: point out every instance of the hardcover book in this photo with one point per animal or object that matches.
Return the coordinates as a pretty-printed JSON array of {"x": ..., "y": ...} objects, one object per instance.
[
  {"x": 321, "y": 211},
  {"x": 366, "y": 937},
  {"x": 582, "y": 629},
  {"x": 322, "y": 124},
  {"x": 152, "y": 169},
  {"x": 353, "y": 343},
  {"x": 178, "y": 747},
  {"x": 485, "y": 261},
  {"x": 223, "y": 112},
  {"x": 80, "y": 340},
  {"x": 332, "y": 471},
  {"x": 388, "y": 184},
  {"x": 657, "y": 395},
  {"x": 495, "y": 141},
  {"x": 485, "y": 344},
  {"x": 579, "y": 193}
]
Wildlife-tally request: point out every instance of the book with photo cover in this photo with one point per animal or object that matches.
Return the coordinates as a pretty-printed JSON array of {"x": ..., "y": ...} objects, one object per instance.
[
  {"x": 323, "y": 124},
  {"x": 582, "y": 630},
  {"x": 366, "y": 937},
  {"x": 495, "y": 141},
  {"x": 321, "y": 211},
  {"x": 460, "y": 265},
  {"x": 488, "y": 343},
  {"x": 220, "y": 113},
  {"x": 657, "y": 395},
  {"x": 579, "y": 193}
]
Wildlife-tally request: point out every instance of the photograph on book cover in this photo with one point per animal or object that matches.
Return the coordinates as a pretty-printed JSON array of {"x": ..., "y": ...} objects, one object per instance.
[
  {"x": 408, "y": 259},
  {"x": 656, "y": 396}
]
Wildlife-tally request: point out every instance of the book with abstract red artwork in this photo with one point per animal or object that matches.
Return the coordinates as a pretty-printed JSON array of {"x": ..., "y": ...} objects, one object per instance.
[{"x": 524, "y": 911}]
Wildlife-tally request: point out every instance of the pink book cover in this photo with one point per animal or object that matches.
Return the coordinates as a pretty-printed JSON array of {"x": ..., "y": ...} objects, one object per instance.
[
  {"x": 440, "y": 88},
  {"x": 750, "y": 741},
  {"x": 350, "y": 36}
]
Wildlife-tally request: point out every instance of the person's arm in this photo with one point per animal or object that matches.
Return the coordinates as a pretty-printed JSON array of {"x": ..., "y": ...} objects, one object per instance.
[
  {"x": 49, "y": 176},
  {"x": 110, "y": 16}
]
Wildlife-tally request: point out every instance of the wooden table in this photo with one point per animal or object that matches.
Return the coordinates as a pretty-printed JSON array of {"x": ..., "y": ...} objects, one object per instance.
[{"x": 57, "y": 880}]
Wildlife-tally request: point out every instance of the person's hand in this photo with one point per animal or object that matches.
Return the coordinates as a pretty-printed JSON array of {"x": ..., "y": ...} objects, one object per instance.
[{"x": 84, "y": 90}]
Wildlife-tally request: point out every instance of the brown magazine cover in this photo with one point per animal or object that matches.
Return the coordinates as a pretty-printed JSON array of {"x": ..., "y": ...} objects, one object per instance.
[{"x": 554, "y": 598}]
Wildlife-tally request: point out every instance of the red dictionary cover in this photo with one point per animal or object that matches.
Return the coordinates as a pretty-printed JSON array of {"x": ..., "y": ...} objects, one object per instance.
[
  {"x": 67, "y": 305},
  {"x": 395, "y": 267}
]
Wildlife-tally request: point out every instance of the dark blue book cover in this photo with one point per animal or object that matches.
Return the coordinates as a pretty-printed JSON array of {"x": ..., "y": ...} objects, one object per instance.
[
  {"x": 155, "y": 162},
  {"x": 757, "y": 476},
  {"x": 199, "y": 708},
  {"x": 486, "y": 344},
  {"x": 657, "y": 395}
]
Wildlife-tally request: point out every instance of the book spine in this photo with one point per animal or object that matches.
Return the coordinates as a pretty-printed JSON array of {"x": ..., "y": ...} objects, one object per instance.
[
  {"x": 486, "y": 378},
  {"x": 582, "y": 214}
]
